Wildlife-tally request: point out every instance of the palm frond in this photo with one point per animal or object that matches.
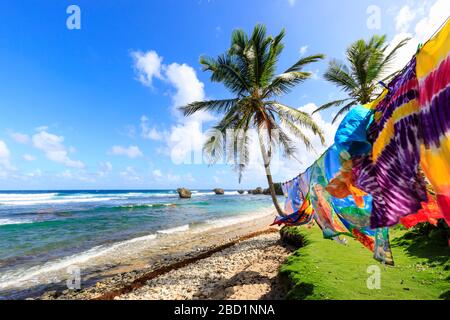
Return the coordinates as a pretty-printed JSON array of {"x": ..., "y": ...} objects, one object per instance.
[
  {"x": 343, "y": 110},
  {"x": 224, "y": 69},
  {"x": 283, "y": 83},
  {"x": 218, "y": 106},
  {"x": 298, "y": 66},
  {"x": 335, "y": 103},
  {"x": 339, "y": 74},
  {"x": 299, "y": 118},
  {"x": 298, "y": 133}
]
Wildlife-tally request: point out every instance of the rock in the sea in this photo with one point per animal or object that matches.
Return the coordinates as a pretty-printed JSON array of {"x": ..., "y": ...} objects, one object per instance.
[
  {"x": 266, "y": 191},
  {"x": 184, "y": 193},
  {"x": 219, "y": 191},
  {"x": 241, "y": 191},
  {"x": 258, "y": 190},
  {"x": 278, "y": 189}
]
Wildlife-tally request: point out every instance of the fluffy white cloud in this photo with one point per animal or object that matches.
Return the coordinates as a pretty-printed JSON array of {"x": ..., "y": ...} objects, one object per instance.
[
  {"x": 54, "y": 149},
  {"x": 5, "y": 159},
  {"x": 303, "y": 50},
  {"x": 184, "y": 79},
  {"x": 130, "y": 174},
  {"x": 157, "y": 173},
  {"x": 104, "y": 168},
  {"x": 404, "y": 18},
  {"x": 429, "y": 18},
  {"x": 437, "y": 14},
  {"x": 20, "y": 137},
  {"x": 186, "y": 136},
  {"x": 149, "y": 133},
  {"x": 147, "y": 66},
  {"x": 28, "y": 157},
  {"x": 130, "y": 152}
]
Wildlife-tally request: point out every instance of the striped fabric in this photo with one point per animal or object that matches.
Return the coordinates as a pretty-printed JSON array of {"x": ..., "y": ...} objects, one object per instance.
[
  {"x": 390, "y": 173},
  {"x": 433, "y": 73}
]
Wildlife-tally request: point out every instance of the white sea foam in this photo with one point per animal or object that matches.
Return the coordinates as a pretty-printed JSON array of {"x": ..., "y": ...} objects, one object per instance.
[
  {"x": 61, "y": 200},
  {"x": 229, "y": 221},
  {"x": 25, "y": 196},
  {"x": 7, "y": 221},
  {"x": 174, "y": 230},
  {"x": 25, "y": 277}
]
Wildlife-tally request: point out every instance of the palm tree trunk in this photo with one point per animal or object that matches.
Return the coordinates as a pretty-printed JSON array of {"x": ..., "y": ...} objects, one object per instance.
[{"x": 266, "y": 160}]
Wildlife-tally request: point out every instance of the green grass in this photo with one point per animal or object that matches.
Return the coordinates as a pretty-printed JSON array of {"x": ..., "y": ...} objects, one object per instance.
[{"x": 324, "y": 269}]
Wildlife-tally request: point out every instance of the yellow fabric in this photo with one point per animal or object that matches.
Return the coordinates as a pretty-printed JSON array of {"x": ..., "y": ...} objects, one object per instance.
[
  {"x": 433, "y": 52},
  {"x": 388, "y": 131}
]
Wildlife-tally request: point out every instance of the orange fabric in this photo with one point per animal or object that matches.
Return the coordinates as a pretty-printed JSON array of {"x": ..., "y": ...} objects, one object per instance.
[{"x": 430, "y": 212}]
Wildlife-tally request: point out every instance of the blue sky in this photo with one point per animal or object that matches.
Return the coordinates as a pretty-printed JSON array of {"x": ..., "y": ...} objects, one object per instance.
[{"x": 95, "y": 108}]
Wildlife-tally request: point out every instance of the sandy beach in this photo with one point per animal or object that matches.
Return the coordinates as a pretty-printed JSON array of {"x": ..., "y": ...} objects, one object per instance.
[{"x": 238, "y": 261}]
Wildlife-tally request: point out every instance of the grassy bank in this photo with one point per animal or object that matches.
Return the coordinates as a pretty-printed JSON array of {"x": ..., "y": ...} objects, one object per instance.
[{"x": 324, "y": 269}]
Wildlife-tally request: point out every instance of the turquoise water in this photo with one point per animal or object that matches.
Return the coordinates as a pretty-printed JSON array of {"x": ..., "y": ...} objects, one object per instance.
[{"x": 45, "y": 226}]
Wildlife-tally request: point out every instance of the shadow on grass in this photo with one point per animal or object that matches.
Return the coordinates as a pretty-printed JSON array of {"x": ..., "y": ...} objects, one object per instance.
[
  {"x": 428, "y": 242},
  {"x": 301, "y": 291},
  {"x": 445, "y": 295}
]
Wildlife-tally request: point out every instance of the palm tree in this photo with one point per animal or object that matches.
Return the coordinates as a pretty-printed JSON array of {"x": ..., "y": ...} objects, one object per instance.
[
  {"x": 247, "y": 70},
  {"x": 368, "y": 65}
]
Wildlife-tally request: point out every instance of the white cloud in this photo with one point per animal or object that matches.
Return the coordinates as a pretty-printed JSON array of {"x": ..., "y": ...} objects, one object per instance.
[
  {"x": 80, "y": 175},
  {"x": 149, "y": 133},
  {"x": 147, "y": 66},
  {"x": 431, "y": 17},
  {"x": 184, "y": 79},
  {"x": 5, "y": 159},
  {"x": 34, "y": 174},
  {"x": 157, "y": 173},
  {"x": 28, "y": 157},
  {"x": 130, "y": 152},
  {"x": 173, "y": 177},
  {"x": 303, "y": 50},
  {"x": 315, "y": 74},
  {"x": 292, "y": 2},
  {"x": 404, "y": 18},
  {"x": 186, "y": 135},
  {"x": 104, "y": 168},
  {"x": 20, "y": 137},
  {"x": 54, "y": 149},
  {"x": 437, "y": 14},
  {"x": 130, "y": 174}
]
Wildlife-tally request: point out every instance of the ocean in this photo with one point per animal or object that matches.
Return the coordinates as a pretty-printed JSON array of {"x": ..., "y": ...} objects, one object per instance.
[{"x": 44, "y": 232}]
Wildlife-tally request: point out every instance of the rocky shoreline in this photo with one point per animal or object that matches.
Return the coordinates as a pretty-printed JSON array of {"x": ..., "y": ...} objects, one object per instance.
[{"x": 241, "y": 246}]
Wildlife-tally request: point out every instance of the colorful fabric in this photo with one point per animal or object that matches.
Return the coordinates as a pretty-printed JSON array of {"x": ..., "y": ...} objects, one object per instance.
[
  {"x": 430, "y": 212},
  {"x": 336, "y": 216},
  {"x": 433, "y": 74},
  {"x": 301, "y": 217},
  {"x": 370, "y": 178},
  {"x": 390, "y": 173}
]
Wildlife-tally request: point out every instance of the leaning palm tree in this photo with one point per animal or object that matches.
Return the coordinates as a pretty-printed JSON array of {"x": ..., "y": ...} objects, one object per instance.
[
  {"x": 247, "y": 70},
  {"x": 368, "y": 64}
]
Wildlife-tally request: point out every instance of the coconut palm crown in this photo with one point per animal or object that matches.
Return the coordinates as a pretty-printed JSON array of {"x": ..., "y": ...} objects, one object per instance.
[
  {"x": 248, "y": 70},
  {"x": 368, "y": 64}
]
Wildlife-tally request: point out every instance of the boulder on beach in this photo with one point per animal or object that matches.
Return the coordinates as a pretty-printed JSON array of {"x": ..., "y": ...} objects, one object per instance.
[
  {"x": 219, "y": 191},
  {"x": 184, "y": 193},
  {"x": 241, "y": 191}
]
